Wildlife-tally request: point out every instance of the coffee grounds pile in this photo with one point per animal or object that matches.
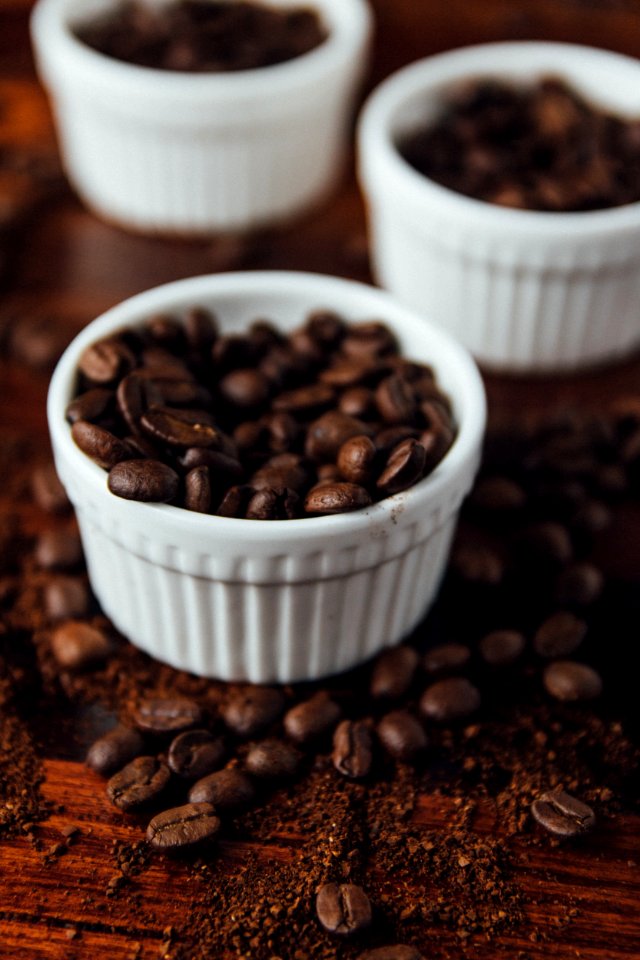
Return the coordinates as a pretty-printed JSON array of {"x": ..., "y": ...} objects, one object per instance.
[
  {"x": 535, "y": 538},
  {"x": 204, "y": 36},
  {"x": 538, "y": 148}
]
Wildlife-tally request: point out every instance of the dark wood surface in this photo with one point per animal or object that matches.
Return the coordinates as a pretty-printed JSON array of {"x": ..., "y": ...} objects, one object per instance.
[{"x": 68, "y": 266}]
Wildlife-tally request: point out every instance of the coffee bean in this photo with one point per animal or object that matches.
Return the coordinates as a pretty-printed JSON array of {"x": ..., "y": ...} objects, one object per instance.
[
  {"x": 135, "y": 394},
  {"x": 396, "y": 951},
  {"x": 568, "y": 681},
  {"x": 393, "y": 673},
  {"x": 578, "y": 585},
  {"x": 356, "y": 459},
  {"x": 115, "y": 749},
  {"x": 270, "y": 504},
  {"x": 167, "y": 715},
  {"x": 343, "y": 909},
  {"x": 450, "y": 700},
  {"x": 272, "y": 760},
  {"x": 91, "y": 405},
  {"x": 183, "y": 827},
  {"x": 66, "y": 598},
  {"x": 404, "y": 467},
  {"x": 150, "y": 481},
  {"x": 498, "y": 495},
  {"x": 326, "y": 435},
  {"x": 546, "y": 541},
  {"x": 58, "y": 549},
  {"x": 559, "y": 635},
  {"x": 179, "y": 428},
  {"x": 197, "y": 490},
  {"x": 562, "y": 815},
  {"x": 138, "y": 783},
  {"x": 326, "y": 327},
  {"x": 229, "y": 789},
  {"x": 235, "y": 501},
  {"x": 352, "y": 749},
  {"x": 478, "y": 565},
  {"x": 195, "y": 753},
  {"x": 285, "y": 471},
  {"x": 446, "y": 658},
  {"x": 245, "y": 388},
  {"x": 312, "y": 718},
  {"x": 330, "y": 498},
  {"x": 48, "y": 491},
  {"x": 250, "y": 710},
  {"x": 343, "y": 374},
  {"x": 104, "y": 362},
  {"x": 76, "y": 644},
  {"x": 401, "y": 735},
  {"x": 396, "y": 401},
  {"x": 502, "y": 647},
  {"x": 99, "y": 444},
  {"x": 307, "y": 401},
  {"x": 368, "y": 340}
]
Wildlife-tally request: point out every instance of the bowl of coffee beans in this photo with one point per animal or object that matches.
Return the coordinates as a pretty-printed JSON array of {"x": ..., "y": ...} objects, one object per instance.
[
  {"x": 194, "y": 116},
  {"x": 503, "y": 192},
  {"x": 266, "y": 468}
]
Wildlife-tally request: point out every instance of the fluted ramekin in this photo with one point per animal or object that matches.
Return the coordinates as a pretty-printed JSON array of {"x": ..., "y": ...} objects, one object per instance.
[
  {"x": 280, "y": 600},
  {"x": 523, "y": 290},
  {"x": 164, "y": 151}
]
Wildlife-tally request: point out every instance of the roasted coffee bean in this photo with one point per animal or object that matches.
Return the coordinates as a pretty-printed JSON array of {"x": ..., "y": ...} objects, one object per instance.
[
  {"x": 200, "y": 329},
  {"x": 224, "y": 466},
  {"x": 559, "y": 635},
  {"x": 404, "y": 467},
  {"x": 326, "y": 435},
  {"x": 568, "y": 681},
  {"x": 347, "y": 373},
  {"x": 401, "y": 735},
  {"x": 179, "y": 428},
  {"x": 326, "y": 327},
  {"x": 389, "y": 438},
  {"x": 546, "y": 541},
  {"x": 101, "y": 445},
  {"x": 562, "y": 815},
  {"x": 167, "y": 714},
  {"x": 195, "y": 753},
  {"x": 58, "y": 549},
  {"x": 90, "y": 406},
  {"x": 368, "y": 340},
  {"x": 591, "y": 518},
  {"x": 150, "y": 481},
  {"x": 358, "y": 402},
  {"x": 135, "y": 394},
  {"x": 396, "y": 401},
  {"x": 48, "y": 491},
  {"x": 285, "y": 471},
  {"x": 446, "y": 658},
  {"x": 197, "y": 490},
  {"x": 183, "y": 827},
  {"x": 270, "y": 504},
  {"x": 229, "y": 789},
  {"x": 312, "y": 718},
  {"x": 578, "y": 585},
  {"x": 66, "y": 598},
  {"x": 115, "y": 749},
  {"x": 502, "y": 647},
  {"x": 76, "y": 644},
  {"x": 106, "y": 361},
  {"x": 356, "y": 459},
  {"x": 328, "y": 498},
  {"x": 352, "y": 749},
  {"x": 343, "y": 909},
  {"x": 478, "y": 565},
  {"x": 396, "y": 951},
  {"x": 393, "y": 673},
  {"x": 166, "y": 332},
  {"x": 308, "y": 401},
  {"x": 235, "y": 501},
  {"x": 247, "y": 388},
  {"x": 498, "y": 495},
  {"x": 449, "y": 700},
  {"x": 272, "y": 760},
  {"x": 436, "y": 444},
  {"x": 137, "y": 784},
  {"x": 250, "y": 710}
]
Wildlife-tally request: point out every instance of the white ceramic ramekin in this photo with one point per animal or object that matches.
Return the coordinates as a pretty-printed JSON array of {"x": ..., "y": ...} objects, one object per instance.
[
  {"x": 277, "y": 600},
  {"x": 523, "y": 290},
  {"x": 162, "y": 151}
]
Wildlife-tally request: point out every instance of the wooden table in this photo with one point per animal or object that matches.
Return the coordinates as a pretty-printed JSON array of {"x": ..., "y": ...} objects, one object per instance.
[{"x": 68, "y": 266}]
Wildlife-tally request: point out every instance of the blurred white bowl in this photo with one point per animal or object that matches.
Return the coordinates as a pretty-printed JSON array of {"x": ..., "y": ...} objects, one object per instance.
[{"x": 281, "y": 600}]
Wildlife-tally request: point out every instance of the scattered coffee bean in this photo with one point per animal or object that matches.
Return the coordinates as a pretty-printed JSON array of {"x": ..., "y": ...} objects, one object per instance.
[
  {"x": 393, "y": 673},
  {"x": 195, "y": 753},
  {"x": 272, "y": 760},
  {"x": 498, "y": 495},
  {"x": 115, "y": 749},
  {"x": 48, "y": 491},
  {"x": 229, "y": 789},
  {"x": 446, "y": 658},
  {"x": 448, "y": 700},
  {"x": 66, "y": 598},
  {"x": 568, "y": 681},
  {"x": 578, "y": 585},
  {"x": 401, "y": 735},
  {"x": 502, "y": 647},
  {"x": 343, "y": 909},
  {"x": 478, "y": 565},
  {"x": 312, "y": 718},
  {"x": 562, "y": 815},
  {"x": 560, "y": 635},
  {"x": 59, "y": 548},
  {"x": 352, "y": 749},
  {"x": 250, "y": 710},
  {"x": 183, "y": 827},
  {"x": 138, "y": 783},
  {"x": 76, "y": 644},
  {"x": 167, "y": 715}
]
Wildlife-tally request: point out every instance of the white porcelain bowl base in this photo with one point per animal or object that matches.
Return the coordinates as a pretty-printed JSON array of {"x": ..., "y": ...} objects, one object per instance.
[{"x": 271, "y": 600}]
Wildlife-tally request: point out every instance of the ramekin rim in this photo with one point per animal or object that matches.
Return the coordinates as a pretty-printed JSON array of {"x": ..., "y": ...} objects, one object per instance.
[
  {"x": 48, "y": 25},
  {"x": 458, "y": 461},
  {"x": 376, "y": 146}
]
